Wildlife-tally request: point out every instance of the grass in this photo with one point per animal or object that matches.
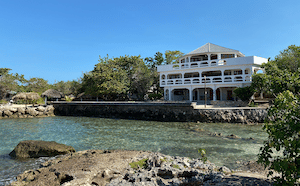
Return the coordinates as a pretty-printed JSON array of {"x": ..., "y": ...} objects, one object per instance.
[
  {"x": 2, "y": 101},
  {"x": 139, "y": 164},
  {"x": 175, "y": 166}
]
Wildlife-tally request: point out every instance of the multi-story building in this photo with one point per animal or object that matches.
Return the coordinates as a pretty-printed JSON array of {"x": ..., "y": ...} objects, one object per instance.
[{"x": 217, "y": 69}]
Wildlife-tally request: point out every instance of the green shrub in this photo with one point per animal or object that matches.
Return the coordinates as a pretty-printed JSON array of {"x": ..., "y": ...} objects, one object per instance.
[
  {"x": 244, "y": 93},
  {"x": 139, "y": 164},
  {"x": 203, "y": 154},
  {"x": 155, "y": 96},
  {"x": 68, "y": 99},
  {"x": 282, "y": 149}
]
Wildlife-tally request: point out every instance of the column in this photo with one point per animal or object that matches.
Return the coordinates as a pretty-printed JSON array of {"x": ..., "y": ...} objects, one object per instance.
[
  {"x": 221, "y": 97},
  {"x": 208, "y": 57},
  {"x": 191, "y": 94},
  {"x": 170, "y": 92},
  {"x": 219, "y": 56},
  {"x": 214, "y": 94}
]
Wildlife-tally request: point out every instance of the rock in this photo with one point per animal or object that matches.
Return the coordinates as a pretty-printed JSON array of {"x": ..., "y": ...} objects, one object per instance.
[
  {"x": 40, "y": 108},
  {"x": 35, "y": 149},
  {"x": 224, "y": 169},
  {"x": 7, "y": 113},
  {"x": 31, "y": 111},
  {"x": 232, "y": 136},
  {"x": 21, "y": 110}
]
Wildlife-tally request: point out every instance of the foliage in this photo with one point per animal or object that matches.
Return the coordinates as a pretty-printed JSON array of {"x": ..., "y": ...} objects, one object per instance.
[
  {"x": 2, "y": 101},
  {"x": 139, "y": 164},
  {"x": 38, "y": 85},
  {"x": 10, "y": 82},
  {"x": 282, "y": 73},
  {"x": 68, "y": 99},
  {"x": 175, "y": 166},
  {"x": 172, "y": 56},
  {"x": 283, "y": 127},
  {"x": 118, "y": 77},
  {"x": 154, "y": 96},
  {"x": 203, "y": 154},
  {"x": 289, "y": 59},
  {"x": 106, "y": 80},
  {"x": 282, "y": 149},
  {"x": 244, "y": 93},
  {"x": 68, "y": 87}
]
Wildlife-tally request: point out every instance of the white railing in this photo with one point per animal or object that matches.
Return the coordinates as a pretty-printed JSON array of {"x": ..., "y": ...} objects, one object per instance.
[
  {"x": 250, "y": 60},
  {"x": 197, "y": 64},
  {"x": 209, "y": 79}
]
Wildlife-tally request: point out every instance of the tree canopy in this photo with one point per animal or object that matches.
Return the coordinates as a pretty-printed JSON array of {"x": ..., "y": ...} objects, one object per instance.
[{"x": 282, "y": 149}]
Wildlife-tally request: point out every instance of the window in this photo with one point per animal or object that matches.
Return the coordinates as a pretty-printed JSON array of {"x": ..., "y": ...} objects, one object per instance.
[{"x": 223, "y": 56}]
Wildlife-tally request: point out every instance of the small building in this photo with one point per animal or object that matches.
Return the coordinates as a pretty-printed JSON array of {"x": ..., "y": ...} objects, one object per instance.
[{"x": 217, "y": 69}]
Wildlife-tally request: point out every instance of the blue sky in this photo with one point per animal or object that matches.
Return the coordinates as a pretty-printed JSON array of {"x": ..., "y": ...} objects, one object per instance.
[{"x": 60, "y": 40}]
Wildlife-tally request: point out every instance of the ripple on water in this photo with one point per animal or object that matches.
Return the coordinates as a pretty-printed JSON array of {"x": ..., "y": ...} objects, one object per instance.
[{"x": 172, "y": 138}]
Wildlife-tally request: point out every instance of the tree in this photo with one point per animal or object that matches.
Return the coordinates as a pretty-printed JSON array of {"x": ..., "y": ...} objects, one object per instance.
[
  {"x": 283, "y": 73},
  {"x": 289, "y": 59},
  {"x": 68, "y": 87},
  {"x": 282, "y": 149},
  {"x": 172, "y": 56},
  {"x": 107, "y": 79},
  {"x": 244, "y": 93},
  {"x": 38, "y": 85},
  {"x": 10, "y": 82}
]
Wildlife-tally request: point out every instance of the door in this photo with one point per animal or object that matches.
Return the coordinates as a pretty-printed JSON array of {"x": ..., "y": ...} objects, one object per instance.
[{"x": 229, "y": 95}]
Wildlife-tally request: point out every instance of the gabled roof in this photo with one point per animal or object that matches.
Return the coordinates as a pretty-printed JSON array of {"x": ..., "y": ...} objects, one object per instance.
[{"x": 212, "y": 48}]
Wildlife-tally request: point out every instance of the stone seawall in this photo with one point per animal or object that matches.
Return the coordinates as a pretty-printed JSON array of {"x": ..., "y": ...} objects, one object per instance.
[
  {"x": 174, "y": 112},
  {"x": 26, "y": 112}
]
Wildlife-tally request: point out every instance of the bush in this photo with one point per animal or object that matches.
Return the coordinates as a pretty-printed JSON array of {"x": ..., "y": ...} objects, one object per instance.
[
  {"x": 155, "y": 96},
  {"x": 244, "y": 93},
  {"x": 282, "y": 149}
]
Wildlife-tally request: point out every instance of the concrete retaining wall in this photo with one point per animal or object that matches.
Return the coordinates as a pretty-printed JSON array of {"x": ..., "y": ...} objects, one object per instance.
[{"x": 181, "y": 112}]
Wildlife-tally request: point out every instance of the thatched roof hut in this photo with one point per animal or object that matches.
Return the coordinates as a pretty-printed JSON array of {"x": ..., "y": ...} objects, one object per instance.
[
  {"x": 26, "y": 96},
  {"x": 51, "y": 93}
]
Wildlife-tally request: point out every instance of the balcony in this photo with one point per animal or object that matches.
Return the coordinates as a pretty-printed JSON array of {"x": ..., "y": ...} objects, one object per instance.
[
  {"x": 251, "y": 60},
  {"x": 208, "y": 80}
]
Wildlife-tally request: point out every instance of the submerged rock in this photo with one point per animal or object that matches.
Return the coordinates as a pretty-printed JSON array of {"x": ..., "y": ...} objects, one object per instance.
[{"x": 36, "y": 149}]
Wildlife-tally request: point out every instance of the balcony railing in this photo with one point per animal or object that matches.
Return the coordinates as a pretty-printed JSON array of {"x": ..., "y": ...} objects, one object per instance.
[
  {"x": 250, "y": 60},
  {"x": 197, "y": 64},
  {"x": 209, "y": 80}
]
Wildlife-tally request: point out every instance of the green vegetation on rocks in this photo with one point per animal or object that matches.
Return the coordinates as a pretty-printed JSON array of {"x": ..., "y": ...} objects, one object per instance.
[{"x": 139, "y": 164}]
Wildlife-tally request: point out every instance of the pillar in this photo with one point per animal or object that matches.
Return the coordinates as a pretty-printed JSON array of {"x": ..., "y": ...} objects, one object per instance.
[
  {"x": 191, "y": 94},
  {"x": 170, "y": 93},
  {"x": 214, "y": 94}
]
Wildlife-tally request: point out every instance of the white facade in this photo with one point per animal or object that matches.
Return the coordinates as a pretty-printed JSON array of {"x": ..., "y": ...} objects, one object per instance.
[{"x": 222, "y": 68}]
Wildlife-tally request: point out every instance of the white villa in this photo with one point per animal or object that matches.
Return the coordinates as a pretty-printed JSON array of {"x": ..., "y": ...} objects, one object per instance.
[{"x": 218, "y": 69}]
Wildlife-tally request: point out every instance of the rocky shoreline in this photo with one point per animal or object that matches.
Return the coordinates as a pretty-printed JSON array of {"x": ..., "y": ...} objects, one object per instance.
[
  {"x": 121, "y": 167},
  {"x": 16, "y": 111}
]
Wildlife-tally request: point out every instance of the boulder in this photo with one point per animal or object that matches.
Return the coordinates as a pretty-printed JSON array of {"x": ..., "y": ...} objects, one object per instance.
[
  {"x": 31, "y": 111},
  {"x": 7, "y": 113},
  {"x": 41, "y": 109},
  {"x": 36, "y": 149},
  {"x": 21, "y": 110}
]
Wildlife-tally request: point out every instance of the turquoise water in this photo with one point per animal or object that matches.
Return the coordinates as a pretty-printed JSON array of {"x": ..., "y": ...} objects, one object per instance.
[{"x": 180, "y": 139}]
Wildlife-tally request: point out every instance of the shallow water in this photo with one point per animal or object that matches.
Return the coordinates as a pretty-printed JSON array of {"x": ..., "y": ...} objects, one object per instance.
[{"x": 172, "y": 138}]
